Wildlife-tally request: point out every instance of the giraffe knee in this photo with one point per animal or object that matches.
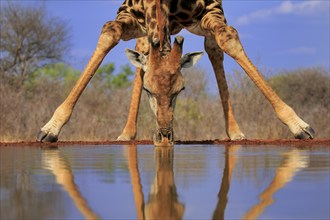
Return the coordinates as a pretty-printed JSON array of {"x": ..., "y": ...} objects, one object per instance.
[
  {"x": 213, "y": 49},
  {"x": 110, "y": 35},
  {"x": 228, "y": 40}
]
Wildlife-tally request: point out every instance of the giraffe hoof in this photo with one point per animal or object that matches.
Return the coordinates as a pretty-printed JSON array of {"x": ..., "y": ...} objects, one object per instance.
[
  {"x": 125, "y": 137},
  {"x": 46, "y": 137},
  {"x": 305, "y": 133},
  {"x": 237, "y": 137}
]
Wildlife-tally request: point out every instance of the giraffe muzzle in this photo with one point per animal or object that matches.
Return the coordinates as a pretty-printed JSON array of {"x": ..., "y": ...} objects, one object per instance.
[{"x": 164, "y": 137}]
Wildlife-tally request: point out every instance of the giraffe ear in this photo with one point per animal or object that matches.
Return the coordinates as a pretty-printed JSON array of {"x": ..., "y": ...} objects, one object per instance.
[
  {"x": 190, "y": 59},
  {"x": 136, "y": 58}
]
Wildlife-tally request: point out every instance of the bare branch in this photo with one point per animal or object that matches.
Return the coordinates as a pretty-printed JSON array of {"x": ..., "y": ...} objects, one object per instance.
[{"x": 29, "y": 39}]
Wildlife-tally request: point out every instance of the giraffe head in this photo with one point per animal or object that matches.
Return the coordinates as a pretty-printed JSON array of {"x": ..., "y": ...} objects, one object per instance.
[{"x": 163, "y": 81}]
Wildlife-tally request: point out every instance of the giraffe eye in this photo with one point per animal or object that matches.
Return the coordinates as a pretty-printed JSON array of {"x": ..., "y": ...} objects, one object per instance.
[{"x": 147, "y": 91}]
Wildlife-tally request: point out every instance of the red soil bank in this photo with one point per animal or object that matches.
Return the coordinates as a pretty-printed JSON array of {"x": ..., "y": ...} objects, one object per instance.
[{"x": 286, "y": 142}]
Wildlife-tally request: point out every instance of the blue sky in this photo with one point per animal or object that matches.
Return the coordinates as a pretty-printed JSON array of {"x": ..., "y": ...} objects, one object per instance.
[{"x": 277, "y": 35}]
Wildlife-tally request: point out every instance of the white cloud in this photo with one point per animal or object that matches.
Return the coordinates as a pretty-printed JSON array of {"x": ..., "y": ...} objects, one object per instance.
[{"x": 304, "y": 8}]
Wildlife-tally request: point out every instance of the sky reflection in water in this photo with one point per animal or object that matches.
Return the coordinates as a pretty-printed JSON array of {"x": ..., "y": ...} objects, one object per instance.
[{"x": 187, "y": 182}]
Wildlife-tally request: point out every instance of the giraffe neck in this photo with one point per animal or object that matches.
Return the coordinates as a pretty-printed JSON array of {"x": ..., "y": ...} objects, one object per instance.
[
  {"x": 157, "y": 24},
  {"x": 158, "y": 19}
]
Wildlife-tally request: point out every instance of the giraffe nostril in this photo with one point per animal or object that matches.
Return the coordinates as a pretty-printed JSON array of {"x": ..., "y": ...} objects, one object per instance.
[
  {"x": 170, "y": 136},
  {"x": 159, "y": 136}
]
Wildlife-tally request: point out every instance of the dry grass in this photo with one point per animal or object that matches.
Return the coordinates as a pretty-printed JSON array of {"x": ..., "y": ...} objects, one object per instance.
[
  {"x": 198, "y": 116},
  {"x": 307, "y": 91}
]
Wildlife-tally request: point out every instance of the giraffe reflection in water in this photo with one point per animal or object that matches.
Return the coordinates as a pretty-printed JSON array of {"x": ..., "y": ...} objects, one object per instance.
[
  {"x": 293, "y": 161},
  {"x": 163, "y": 200},
  {"x": 54, "y": 161},
  {"x": 219, "y": 212}
]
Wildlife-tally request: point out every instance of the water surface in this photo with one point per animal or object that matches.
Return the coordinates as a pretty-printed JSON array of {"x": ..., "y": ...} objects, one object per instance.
[{"x": 187, "y": 182}]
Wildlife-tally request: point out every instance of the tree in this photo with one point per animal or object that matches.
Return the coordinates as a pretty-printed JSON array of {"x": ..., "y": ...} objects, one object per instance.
[
  {"x": 310, "y": 86},
  {"x": 29, "y": 39},
  {"x": 122, "y": 78},
  {"x": 57, "y": 73},
  {"x": 61, "y": 73},
  {"x": 104, "y": 76}
]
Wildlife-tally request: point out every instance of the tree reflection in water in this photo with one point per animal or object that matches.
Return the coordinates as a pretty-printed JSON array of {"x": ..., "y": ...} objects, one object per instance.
[{"x": 23, "y": 187}]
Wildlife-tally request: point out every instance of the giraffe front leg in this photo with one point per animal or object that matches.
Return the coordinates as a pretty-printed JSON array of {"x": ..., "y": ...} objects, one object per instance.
[
  {"x": 110, "y": 36},
  {"x": 129, "y": 132},
  {"x": 214, "y": 52},
  {"x": 228, "y": 40}
]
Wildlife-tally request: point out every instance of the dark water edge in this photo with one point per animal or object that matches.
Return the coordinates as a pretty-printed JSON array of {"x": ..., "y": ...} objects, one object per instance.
[{"x": 184, "y": 182}]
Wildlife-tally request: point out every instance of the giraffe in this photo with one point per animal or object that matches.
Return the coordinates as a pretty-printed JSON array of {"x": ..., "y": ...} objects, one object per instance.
[
  {"x": 152, "y": 23},
  {"x": 163, "y": 85}
]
